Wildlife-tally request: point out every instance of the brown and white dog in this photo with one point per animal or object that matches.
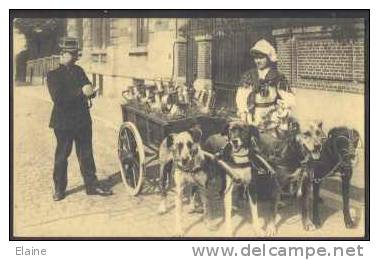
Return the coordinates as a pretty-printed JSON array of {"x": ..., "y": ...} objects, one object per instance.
[
  {"x": 234, "y": 146},
  {"x": 181, "y": 158}
]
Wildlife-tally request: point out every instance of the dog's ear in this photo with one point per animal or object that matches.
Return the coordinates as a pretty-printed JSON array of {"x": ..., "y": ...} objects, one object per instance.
[
  {"x": 320, "y": 124},
  {"x": 226, "y": 153},
  {"x": 294, "y": 126},
  {"x": 307, "y": 133},
  {"x": 254, "y": 132},
  {"x": 356, "y": 138},
  {"x": 299, "y": 139},
  {"x": 196, "y": 134},
  {"x": 170, "y": 141},
  {"x": 254, "y": 136}
]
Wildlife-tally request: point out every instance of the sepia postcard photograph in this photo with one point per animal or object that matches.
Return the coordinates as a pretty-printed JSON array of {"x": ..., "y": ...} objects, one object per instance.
[{"x": 207, "y": 124}]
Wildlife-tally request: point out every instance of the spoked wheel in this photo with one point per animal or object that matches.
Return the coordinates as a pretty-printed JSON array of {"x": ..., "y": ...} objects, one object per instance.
[{"x": 131, "y": 156}]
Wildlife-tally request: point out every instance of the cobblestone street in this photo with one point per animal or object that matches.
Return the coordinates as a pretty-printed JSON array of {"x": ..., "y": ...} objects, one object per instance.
[{"x": 120, "y": 215}]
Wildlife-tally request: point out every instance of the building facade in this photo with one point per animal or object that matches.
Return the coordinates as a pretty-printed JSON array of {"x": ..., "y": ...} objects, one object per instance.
[
  {"x": 213, "y": 52},
  {"x": 208, "y": 52}
]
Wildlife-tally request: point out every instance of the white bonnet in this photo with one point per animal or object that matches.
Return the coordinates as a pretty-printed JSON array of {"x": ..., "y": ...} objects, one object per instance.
[{"x": 264, "y": 47}]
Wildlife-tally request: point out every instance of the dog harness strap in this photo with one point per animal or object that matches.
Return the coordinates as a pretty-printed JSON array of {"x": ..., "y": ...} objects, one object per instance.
[
  {"x": 229, "y": 188},
  {"x": 265, "y": 104},
  {"x": 266, "y": 164},
  {"x": 350, "y": 149},
  {"x": 192, "y": 171},
  {"x": 330, "y": 173},
  {"x": 196, "y": 170},
  {"x": 241, "y": 165}
]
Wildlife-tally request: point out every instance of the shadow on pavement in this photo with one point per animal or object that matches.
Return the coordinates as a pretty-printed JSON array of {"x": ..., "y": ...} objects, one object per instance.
[
  {"x": 334, "y": 185},
  {"x": 107, "y": 183}
]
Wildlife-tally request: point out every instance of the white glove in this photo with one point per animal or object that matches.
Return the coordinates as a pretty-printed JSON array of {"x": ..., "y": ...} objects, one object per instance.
[
  {"x": 88, "y": 90},
  {"x": 287, "y": 98}
]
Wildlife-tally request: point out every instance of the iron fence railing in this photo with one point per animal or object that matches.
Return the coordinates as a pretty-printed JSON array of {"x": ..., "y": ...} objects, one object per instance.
[{"x": 36, "y": 70}]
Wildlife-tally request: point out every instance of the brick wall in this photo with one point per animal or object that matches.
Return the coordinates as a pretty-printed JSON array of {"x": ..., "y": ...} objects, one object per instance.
[
  {"x": 284, "y": 47},
  {"x": 313, "y": 59},
  {"x": 358, "y": 58}
]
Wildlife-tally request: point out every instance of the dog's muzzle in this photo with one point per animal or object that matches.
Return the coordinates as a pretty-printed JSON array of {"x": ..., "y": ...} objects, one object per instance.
[
  {"x": 185, "y": 162},
  {"x": 315, "y": 152},
  {"x": 188, "y": 165},
  {"x": 236, "y": 144}
]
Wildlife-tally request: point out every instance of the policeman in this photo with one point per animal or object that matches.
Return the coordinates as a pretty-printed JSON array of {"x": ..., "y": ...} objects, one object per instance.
[{"x": 70, "y": 89}]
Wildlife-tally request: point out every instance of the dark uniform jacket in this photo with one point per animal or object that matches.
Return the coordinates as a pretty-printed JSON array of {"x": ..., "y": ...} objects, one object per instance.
[{"x": 70, "y": 109}]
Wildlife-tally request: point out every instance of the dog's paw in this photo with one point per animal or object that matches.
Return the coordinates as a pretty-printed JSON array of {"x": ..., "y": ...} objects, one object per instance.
[
  {"x": 317, "y": 222},
  {"x": 258, "y": 222},
  {"x": 352, "y": 220},
  {"x": 258, "y": 231},
  {"x": 211, "y": 225},
  {"x": 349, "y": 223},
  {"x": 294, "y": 219},
  {"x": 271, "y": 230},
  {"x": 195, "y": 209},
  {"x": 179, "y": 233},
  {"x": 309, "y": 226},
  {"x": 162, "y": 209},
  {"x": 281, "y": 204},
  {"x": 228, "y": 232}
]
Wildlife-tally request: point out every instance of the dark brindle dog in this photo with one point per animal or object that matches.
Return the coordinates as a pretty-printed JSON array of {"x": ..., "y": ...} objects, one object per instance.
[
  {"x": 288, "y": 156},
  {"x": 338, "y": 154}
]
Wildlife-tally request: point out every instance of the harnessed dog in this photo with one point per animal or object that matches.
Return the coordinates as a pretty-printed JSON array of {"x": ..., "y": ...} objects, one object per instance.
[
  {"x": 181, "y": 157},
  {"x": 338, "y": 154},
  {"x": 289, "y": 157},
  {"x": 243, "y": 147},
  {"x": 234, "y": 146}
]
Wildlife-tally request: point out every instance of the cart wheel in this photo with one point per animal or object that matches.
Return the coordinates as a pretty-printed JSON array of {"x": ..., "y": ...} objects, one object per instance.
[{"x": 131, "y": 156}]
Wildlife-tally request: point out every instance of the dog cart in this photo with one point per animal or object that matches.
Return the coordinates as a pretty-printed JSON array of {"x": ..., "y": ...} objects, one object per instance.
[{"x": 140, "y": 135}]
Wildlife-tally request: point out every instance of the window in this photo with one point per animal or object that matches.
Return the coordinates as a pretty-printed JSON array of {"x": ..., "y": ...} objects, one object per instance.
[
  {"x": 142, "y": 32},
  {"x": 100, "y": 32}
]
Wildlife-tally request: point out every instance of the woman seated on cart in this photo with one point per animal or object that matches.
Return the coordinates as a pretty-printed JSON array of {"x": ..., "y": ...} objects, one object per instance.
[{"x": 264, "y": 98}]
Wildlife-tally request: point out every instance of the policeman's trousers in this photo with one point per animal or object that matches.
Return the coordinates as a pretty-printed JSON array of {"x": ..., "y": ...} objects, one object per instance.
[{"x": 83, "y": 146}]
